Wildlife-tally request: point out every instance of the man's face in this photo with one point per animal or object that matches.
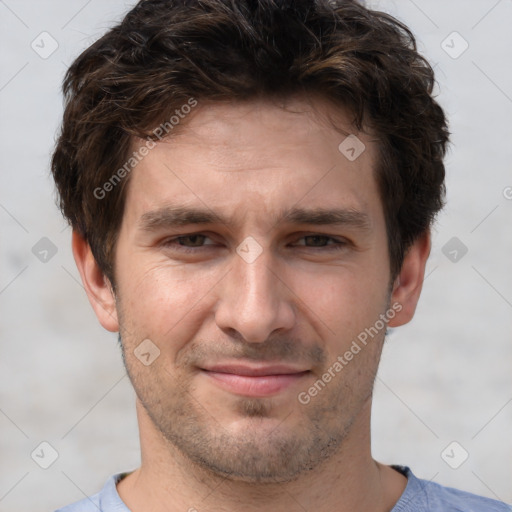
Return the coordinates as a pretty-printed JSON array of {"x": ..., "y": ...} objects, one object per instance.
[{"x": 294, "y": 271}]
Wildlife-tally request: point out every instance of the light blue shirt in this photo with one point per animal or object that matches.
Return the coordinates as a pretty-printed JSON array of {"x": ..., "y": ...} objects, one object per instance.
[{"x": 418, "y": 496}]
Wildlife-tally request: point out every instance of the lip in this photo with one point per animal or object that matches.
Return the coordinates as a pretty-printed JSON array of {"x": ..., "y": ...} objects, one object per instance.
[{"x": 256, "y": 381}]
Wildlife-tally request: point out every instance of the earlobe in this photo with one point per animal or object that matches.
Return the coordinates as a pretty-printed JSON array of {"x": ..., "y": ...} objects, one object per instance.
[
  {"x": 97, "y": 286},
  {"x": 408, "y": 284}
]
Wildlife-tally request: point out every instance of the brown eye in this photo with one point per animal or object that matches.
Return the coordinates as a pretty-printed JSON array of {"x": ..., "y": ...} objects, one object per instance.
[
  {"x": 320, "y": 241},
  {"x": 192, "y": 240},
  {"x": 189, "y": 243},
  {"x": 317, "y": 240}
]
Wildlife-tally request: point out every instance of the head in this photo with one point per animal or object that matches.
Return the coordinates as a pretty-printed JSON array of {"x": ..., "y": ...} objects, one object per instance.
[{"x": 219, "y": 218}]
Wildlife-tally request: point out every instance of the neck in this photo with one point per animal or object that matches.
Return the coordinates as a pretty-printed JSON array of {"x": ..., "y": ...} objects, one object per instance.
[{"x": 350, "y": 480}]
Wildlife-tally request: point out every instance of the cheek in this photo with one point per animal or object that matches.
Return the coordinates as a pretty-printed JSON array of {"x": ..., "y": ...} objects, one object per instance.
[
  {"x": 342, "y": 301},
  {"x": 163, "y": 303}
]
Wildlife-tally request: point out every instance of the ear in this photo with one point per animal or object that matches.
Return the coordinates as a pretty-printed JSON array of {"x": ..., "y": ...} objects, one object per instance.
[
  {"x": 97, "y": 286},
  {"x": 409, "y": 282}
]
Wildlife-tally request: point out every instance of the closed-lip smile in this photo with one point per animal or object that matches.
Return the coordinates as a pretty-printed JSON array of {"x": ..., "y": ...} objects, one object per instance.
[{"x": 254, "y": 380}]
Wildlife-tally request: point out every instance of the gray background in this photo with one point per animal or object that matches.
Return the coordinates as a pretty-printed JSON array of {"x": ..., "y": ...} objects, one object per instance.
[{"x": 444, "y": 377}]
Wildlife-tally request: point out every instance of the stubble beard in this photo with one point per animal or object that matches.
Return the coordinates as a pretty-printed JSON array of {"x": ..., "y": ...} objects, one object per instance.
[{"x": 305, "y": 438}]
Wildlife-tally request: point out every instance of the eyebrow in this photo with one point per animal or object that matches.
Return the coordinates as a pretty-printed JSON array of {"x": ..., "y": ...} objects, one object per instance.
[{"x": 180, "y": 216}]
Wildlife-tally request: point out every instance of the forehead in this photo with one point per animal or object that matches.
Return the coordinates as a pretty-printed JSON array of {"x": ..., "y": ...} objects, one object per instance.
[
  {"x": 258, "y": 156},
  {"x": 263, "y": 131}
]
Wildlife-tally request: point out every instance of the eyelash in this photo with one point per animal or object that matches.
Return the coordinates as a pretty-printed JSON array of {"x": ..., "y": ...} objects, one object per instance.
[{"x": 174, "y": 243}]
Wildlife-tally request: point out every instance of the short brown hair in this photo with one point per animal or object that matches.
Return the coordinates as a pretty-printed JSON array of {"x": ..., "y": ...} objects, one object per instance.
[{"x": 166, "y": 52}]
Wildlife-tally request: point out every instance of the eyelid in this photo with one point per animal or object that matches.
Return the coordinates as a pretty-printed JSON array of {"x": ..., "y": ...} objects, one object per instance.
[
  {"x": 321, "y": 235},
  {"x": 333, "y": 242},
  {"x": 176, "y": 238},
  {"x": 331, "y": 238}
]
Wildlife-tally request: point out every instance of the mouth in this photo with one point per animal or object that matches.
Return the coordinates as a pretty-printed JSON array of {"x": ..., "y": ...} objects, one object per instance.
[{"x": 254, "y": 381}]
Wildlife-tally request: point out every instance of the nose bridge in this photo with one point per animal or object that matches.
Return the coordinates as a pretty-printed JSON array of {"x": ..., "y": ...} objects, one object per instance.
[
  {"x": 254, "y": 285},
  {"x": 254, "y": 302}
]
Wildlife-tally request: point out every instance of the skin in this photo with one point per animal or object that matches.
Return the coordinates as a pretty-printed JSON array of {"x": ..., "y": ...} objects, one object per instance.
[{"x": 302, "y": 302}]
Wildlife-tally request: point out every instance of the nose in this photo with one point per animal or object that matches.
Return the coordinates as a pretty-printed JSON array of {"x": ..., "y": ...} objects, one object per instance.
[{"x": 255, "y": 300}]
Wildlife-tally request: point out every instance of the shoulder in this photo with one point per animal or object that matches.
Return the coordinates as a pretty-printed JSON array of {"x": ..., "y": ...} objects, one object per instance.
[
  {"x": 107, "y": 500},
  {"x": 425, "y": 496},
  {"x": 90, "y": 504}
]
